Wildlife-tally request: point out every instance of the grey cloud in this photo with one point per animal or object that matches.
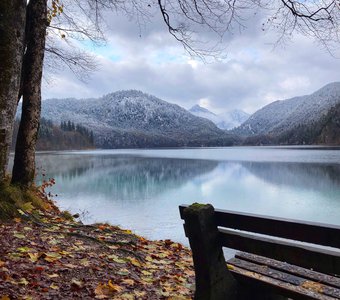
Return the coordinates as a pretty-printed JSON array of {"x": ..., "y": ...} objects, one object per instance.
[{"x": 253, "y": 74}]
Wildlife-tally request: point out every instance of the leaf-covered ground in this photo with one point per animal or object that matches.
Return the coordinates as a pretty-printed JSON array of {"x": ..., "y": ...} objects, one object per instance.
[{"x": 48, "y": 257}]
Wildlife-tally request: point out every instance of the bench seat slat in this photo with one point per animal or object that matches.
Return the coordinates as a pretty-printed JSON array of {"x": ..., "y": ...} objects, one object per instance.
[
  {"x": 291, "y": 269},
  {"x": 294, "y": 280},
  {"x": 322, "y": 260},
  {"x": 246, "y": 276}
]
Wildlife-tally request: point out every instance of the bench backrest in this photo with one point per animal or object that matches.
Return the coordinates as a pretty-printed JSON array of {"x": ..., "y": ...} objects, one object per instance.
[{"x": 280, "y": 239}]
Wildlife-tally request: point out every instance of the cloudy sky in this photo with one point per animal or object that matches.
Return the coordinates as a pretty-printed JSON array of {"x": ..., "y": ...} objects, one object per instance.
[{"x": 250, "y": 74}]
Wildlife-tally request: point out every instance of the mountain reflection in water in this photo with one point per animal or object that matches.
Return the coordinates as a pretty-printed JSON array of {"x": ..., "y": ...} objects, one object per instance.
[{"x": 141, "y": 190}]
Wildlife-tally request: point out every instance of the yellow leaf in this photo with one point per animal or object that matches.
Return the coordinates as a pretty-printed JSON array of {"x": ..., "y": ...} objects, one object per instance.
[
  {"x": 84, "y": 262},
  {"x": 116, "y": 259},
  {"x": 147, "y": 273},
  {"x": 23, "y": 281},
  {"x": 128, "y": 281},
  {"x": 314, "y": 286},
  {"x": 33, "y": 256},
  {"x": 5, "y": 297},
  {"x": 114, "y": 287},
  {"x": 126, "y": 296},
  {"x": 24, "y": 249},
  {"x": 52, "y": 256},
  {"x": 19, "y": 235},
  {"x": 134, "y": 261},
  {"x": 139, "y": 294},
  {"x": 54, "y": 286}
]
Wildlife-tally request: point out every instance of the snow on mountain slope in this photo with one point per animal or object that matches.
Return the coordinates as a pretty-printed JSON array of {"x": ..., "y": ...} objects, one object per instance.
[
  {"x": 132, "y": 118},
  {"x": 227, "y": 120},
  {"x": 202, "y": 112},
  {"x": 284, "y": 115}
]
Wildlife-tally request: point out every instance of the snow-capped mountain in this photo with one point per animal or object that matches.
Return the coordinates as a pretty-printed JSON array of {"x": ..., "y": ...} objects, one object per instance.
[
  {"x": 135, "y": 119},
  {"x": 227, "y": 120},
  {"x": 296, "y": 116}
]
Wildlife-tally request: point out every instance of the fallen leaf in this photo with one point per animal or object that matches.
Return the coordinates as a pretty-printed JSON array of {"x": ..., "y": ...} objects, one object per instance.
[
  {"x": 54, "y": 286},
  {"x": 77, "y": 283},
  {"x": 116, "y": 259},
  {"x": 84, "y": 262},
  {"x": 128, "y": 281},
  {"x": 52, "y": 256},
  {"x": 114, "y": 287},
  {"x": 123, "y": 272},
  {"x": 23, "y": 281},
  {"x": 34, "y": 256},
  {"x": 24, "y": 249},
  {"x": 19, "y": 235},
  {"x": 134, "y": 261},
  {"x": 314, "y": 286}
]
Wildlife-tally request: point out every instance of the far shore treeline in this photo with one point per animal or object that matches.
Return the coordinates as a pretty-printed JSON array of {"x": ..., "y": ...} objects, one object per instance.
[{"x": 66, "y": 136}]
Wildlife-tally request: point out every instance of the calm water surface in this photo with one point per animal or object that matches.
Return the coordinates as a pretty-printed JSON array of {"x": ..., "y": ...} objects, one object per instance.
[{"x": 141, "y": 189}]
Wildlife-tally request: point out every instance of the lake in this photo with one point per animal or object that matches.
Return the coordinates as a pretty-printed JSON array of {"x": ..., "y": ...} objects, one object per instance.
[{"x": 141, "y": 189}]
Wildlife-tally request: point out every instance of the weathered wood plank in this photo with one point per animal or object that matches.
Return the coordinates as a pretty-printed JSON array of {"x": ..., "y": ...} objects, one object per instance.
[
  {"x": 213, "y": 280},
  {"x": 292, "y": 269},
  {"x": 311, "y": 232},
  {"x": 322, "y": 260},
  {"x": 323, "y": 289},
  {"x": 267, "y": 271},
  {"x": 271, "y": 284}
]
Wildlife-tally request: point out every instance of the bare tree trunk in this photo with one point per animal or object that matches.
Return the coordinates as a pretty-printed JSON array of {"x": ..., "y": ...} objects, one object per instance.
[
  {"x": 24, "y": 161},
  {"x": 12, "y": 29}
]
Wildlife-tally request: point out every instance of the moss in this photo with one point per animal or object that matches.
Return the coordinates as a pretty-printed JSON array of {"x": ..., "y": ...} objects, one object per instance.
[
  {"x": 67, "y": 215},
  {"x": 197, "y": 206},
  {"x": 14, "y": 197}
]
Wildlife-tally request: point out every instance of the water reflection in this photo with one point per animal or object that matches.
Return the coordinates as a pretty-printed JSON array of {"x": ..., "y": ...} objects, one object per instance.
[
  {"x": 122, "y": 178},
  {"x": 320, "y": 178},
  {"x": 141, "y": 190}
]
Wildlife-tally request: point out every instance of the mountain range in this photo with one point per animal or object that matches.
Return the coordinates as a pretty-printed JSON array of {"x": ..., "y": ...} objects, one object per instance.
[
  {"x": 130, "y": 119},
  {"x": 228, "y": 120},
  {"x": 309, "y": 119}
]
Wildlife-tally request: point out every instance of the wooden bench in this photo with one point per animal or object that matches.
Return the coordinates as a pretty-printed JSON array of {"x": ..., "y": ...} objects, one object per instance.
[{"x": 282, "y": 258}]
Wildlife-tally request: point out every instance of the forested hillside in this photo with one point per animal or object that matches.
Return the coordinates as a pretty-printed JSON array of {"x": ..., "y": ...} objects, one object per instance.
[{"x": 66, "y": 136}]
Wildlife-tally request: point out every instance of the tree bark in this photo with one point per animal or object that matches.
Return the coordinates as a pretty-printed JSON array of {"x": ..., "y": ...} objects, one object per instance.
[
  {"x": 12, "y": 30},
  {"x": 24, "y": 161}
]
